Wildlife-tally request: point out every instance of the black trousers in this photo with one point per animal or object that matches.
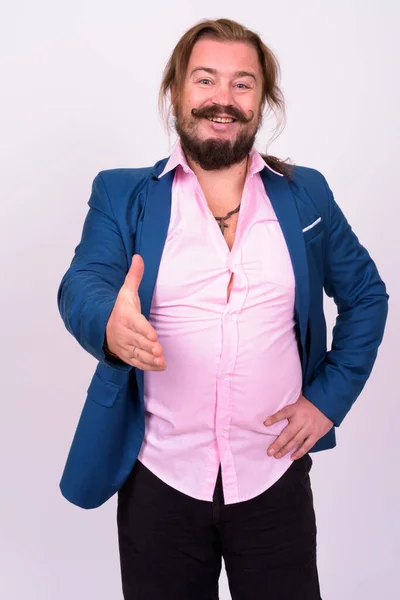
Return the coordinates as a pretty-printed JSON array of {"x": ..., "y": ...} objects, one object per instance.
[{"x": 171, "y": 545}]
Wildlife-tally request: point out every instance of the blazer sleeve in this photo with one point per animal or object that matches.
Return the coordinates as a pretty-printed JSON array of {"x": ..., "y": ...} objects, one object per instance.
[
  {"x": 353, "y": 281},
  {"x": 89, "y": 289}
]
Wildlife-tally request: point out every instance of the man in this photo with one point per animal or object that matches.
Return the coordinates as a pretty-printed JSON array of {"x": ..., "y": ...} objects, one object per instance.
[{"x": 214, "y": 382}]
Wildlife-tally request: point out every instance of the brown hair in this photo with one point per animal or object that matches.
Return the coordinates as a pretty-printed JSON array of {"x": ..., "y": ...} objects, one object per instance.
[{"x": 228, "y": 31}]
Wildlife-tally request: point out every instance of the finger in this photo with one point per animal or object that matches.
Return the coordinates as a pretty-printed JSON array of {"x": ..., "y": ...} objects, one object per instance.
[
  {"x": 134, "y": 362},
  {"x": 147, "y": 357},
  {"x": 131, "y": 356},
  {"x": 285, "y": 413},
  {"x": 305, "y": 447},
  {"x": 129, "y": 344},
  {"x": 134, "y": 275},
  {"x": 150, "y": 352},
  {"x": 285, "y": 436},
  {"x": 296, "y": 442},
  {"x": 151, "y": 348}
]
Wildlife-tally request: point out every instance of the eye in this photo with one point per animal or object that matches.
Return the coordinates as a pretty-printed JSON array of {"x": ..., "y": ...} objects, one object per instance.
[
  {"x": 202, "y": 80},
  {"x": 245, "y": 86}
]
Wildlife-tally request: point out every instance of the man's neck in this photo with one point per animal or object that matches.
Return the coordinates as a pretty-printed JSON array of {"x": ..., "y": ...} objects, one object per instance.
[{"x": 229, "y": 180}]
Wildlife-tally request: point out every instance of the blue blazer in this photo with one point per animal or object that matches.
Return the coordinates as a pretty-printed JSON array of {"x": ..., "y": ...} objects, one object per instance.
[{"x": 129, "y": 213}]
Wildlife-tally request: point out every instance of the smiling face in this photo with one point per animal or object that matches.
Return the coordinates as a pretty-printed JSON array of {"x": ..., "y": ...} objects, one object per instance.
[{"x": 223, "y": 82}]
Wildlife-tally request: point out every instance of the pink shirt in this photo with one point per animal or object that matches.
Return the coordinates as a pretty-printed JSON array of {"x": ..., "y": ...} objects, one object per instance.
[{"x": 230, "y": 363}]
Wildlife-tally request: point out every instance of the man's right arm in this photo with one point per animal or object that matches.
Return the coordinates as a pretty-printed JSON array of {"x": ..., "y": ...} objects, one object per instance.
[{"x": 89, "y": 289}]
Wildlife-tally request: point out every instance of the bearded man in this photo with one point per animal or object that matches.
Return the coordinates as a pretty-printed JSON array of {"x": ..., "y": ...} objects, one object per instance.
[{"x": 198, "y": 286}]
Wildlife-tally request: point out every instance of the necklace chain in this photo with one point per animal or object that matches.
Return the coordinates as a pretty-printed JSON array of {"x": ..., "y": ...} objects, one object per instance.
[{"x": 221, "y": 220}]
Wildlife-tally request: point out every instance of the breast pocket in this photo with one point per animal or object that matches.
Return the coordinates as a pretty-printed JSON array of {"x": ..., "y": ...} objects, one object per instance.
[{"x": 313, "y": 229}]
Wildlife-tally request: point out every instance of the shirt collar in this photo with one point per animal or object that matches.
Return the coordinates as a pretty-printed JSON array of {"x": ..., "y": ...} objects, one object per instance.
[{"x": 177, "y": 157}]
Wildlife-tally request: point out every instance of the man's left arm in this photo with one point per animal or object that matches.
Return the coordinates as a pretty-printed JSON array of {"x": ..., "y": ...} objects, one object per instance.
[{"x": 353, "y": 281}]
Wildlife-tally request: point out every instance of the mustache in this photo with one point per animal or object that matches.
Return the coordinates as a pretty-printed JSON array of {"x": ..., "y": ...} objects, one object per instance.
[{"x": 217, "y": 110}]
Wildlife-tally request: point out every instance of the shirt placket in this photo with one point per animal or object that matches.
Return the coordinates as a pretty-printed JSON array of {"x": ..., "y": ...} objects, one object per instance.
[{"x": 229, "y": 347}]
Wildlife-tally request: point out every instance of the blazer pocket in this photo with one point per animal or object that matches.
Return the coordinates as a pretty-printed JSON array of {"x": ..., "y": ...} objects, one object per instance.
[
  {"x": 102, "y": 392},
  {"x": 313, "y": 229}
]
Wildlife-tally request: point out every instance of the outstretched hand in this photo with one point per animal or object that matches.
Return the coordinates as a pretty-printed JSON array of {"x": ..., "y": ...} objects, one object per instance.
[{"x": 129, "y": 335}]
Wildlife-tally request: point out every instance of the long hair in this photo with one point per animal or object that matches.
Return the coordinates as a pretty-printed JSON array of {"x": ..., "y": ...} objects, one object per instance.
[{"x": 226, "y": 30}]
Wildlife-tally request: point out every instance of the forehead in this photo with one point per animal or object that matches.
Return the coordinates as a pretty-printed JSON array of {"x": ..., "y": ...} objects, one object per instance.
[{"x": 225, "y": 57}]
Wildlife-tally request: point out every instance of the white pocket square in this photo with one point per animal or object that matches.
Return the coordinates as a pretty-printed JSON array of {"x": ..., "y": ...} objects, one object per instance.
[{"x": 312, "y": 224}]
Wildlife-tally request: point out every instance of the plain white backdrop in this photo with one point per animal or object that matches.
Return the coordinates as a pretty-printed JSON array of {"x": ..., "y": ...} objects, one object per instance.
[{"x": 79, "y": 84}]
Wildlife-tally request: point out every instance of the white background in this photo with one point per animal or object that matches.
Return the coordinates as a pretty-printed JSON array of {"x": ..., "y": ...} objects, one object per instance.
[{"x": 79, "y": 84}]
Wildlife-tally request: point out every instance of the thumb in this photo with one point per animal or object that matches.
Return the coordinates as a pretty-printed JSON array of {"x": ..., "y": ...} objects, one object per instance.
[{"x": 135, "y": 274}]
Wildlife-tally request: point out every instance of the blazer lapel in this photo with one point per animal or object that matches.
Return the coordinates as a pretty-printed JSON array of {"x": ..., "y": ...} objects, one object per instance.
[
  {"x": 285, "y": 207},
  {"x": 151, "y": 235}
]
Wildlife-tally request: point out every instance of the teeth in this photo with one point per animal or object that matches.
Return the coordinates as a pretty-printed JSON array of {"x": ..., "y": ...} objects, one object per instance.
[{"x": 220, "y": 120}]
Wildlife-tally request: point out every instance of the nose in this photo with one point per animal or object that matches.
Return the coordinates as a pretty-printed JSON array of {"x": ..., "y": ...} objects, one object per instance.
[{"x": 222, "y": 95}]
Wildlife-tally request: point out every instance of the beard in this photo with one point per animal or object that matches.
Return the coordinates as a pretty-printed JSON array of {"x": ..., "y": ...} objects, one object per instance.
[{"x": 213, "y": 153}]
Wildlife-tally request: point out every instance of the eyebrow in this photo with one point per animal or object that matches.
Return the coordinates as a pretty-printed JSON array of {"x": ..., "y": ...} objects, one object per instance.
[{"x": 214, "y": 72}]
